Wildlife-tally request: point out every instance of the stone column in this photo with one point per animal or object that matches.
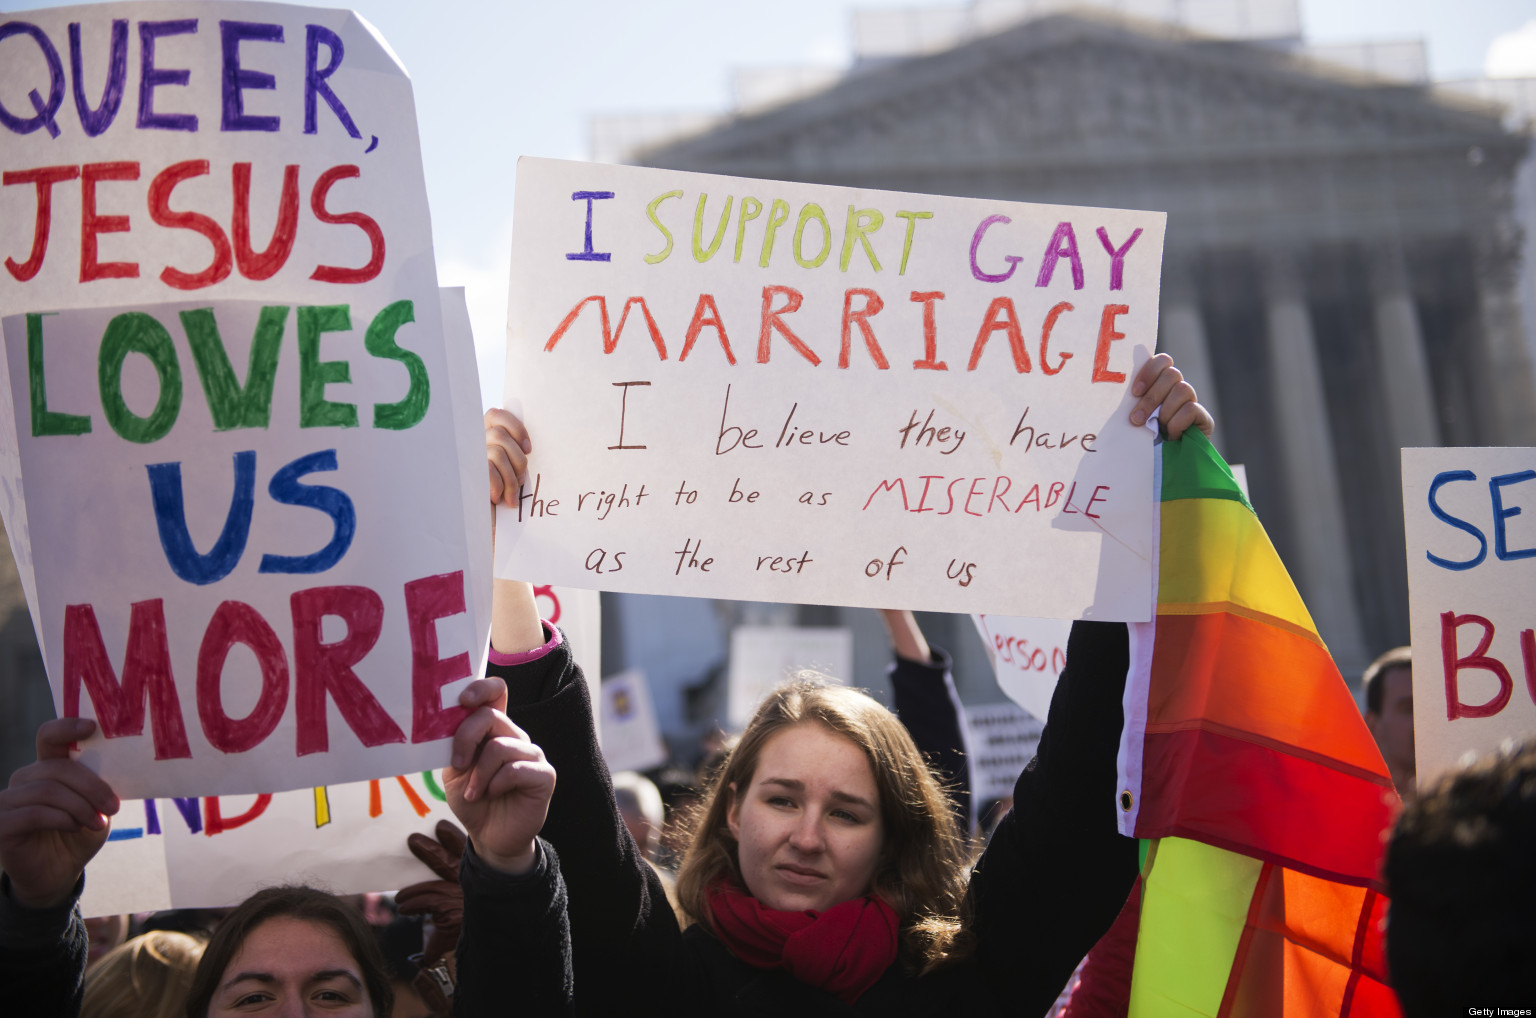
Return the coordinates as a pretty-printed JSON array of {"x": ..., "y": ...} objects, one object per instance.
[
  {"x": 1181, "y": 335},
  {"x": 1316, "y": 506},
  {"x": 1507, "y": 356},
  {"x": 1405, "y": 379}
]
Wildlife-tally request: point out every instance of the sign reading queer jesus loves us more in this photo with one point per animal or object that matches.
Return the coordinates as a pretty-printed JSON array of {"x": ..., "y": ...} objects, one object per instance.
[
  {"x": 793, "y": 392},
  {"x": 1470, "y": 519},
  {"x": 227, "y": 439}
]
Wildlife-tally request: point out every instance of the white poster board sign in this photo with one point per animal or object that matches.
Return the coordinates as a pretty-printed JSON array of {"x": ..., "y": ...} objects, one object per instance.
[
  {"x": 774, "y": 391},
  {"x": 1027, "y": 656},
  {"x": 631, "y": 738},
  {"x": 241, "y": 505},
  {"x": 1002, "y": 738},
  {"x": 1470, "y": 517},
  {"x": 764, "y": 656}
]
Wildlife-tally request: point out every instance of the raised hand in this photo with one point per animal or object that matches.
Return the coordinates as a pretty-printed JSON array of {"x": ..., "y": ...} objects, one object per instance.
[
  {"x": 53, "y": 817},
  {"x": 1159, "y": 383},
  {"x": 506, "y": 448},
  {"x": 499, "y": 783}
]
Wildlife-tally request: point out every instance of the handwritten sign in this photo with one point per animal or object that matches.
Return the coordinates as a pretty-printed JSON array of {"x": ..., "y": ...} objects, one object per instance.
[
  {"x": 1470, "y": 518},
  {"x": 792, "y": 392},
  {"x": 1001, "y": 739},
  {"x": 236, "y": 466},
  {"x": 631, "y": 737},
  {"x": 214, "y": 851},
  {"x": 1027, "y": 656}
]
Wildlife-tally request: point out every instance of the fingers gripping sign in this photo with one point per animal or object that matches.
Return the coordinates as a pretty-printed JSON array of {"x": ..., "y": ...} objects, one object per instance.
[
  {"x": 507, "y": 448},
  {"x": 1161, "y": 387},
  {"x": 53, "y": 817},
  {"x": 499, "y": 783}
]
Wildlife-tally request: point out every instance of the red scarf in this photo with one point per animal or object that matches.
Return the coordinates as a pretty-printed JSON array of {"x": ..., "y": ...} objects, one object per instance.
[{"x": 844, "y": 950}]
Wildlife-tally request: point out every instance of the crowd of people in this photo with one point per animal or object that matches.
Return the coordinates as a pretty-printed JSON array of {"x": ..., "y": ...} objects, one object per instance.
[{"x": 828, "y": 865}]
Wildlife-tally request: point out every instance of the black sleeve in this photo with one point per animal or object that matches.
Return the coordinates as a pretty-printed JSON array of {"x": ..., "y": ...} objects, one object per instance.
[
  {"x": 623, "y": 930},
  {"x": 929, "y": 707},
  {"x": 42, "y": 956},
  {"x": 1057, "y": 870},
  {"x": 514, "y": 952}
]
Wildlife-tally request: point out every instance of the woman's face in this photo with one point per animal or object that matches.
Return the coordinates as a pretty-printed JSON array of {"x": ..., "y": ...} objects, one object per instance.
[
  {"x": 808, "y": 827},
  {"x": 292, "y": 968}
]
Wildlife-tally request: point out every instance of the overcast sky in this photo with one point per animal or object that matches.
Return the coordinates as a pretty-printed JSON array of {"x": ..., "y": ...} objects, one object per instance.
[{"x": 496, "y": 79}]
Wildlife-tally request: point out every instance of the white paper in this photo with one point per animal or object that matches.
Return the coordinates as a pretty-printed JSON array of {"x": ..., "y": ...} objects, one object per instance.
[
  {"x": 1027, "y": 656},
  {"x": 764, "y": 656},
  {"x": 660, "y": 466},
  {"x": 1002, "y": 738},
  {"x": 631, "y": 739},
  {"x": 1470, "y": 517}
]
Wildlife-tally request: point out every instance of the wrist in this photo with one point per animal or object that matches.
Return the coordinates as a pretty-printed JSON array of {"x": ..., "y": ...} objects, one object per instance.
[
  {"x": 516, "y": 863},
  {"x": 38, "y": 898}
]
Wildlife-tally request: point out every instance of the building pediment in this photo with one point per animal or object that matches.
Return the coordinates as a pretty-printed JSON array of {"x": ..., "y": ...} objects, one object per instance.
[{"x": 1080, "y": 90}]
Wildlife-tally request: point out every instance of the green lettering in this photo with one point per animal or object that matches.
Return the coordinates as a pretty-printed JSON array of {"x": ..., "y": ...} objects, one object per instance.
[
  {"x": 813, "y": 211},
  {"x": 860, "y": 225},
  {"x": 230, "y": 405},
  {"x": 380, "y": 341},
  {"x": 746, "y": 217},
  {"x": 699, "y": 254},
  {"x": 315, "y": 411},
  {"x": 137, "y": 332},
  {"x": 45, "y": 421},
  {"x": 650, "y": 213},
  {"x": 906, "y": 245},
  {"x": 778, "y": 215}
]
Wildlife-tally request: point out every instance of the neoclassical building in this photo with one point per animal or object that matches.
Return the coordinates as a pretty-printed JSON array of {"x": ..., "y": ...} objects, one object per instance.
[{"x": 1342, "y": 269}]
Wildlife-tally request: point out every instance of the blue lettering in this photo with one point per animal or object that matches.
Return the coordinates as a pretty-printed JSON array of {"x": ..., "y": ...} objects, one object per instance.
[
  {"x": 1500, "y": 514},
  {"x": 586, "y": 254},
  {"x": 45, "y": 111},
  {"x": 315, "y": 78},
  {"x": 285, "y": 488},
  {"x": 152, "y": 77},
  {"x": 98, "y": 120},
  {"x": 1441, "y": 479},
  {"x": 171, "y": 520},
  {"x": 237, "y": 79}
]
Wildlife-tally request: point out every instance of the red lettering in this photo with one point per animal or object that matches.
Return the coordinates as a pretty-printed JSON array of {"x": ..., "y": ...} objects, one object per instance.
[
  {"x": 922, "y": 501},
  {"x": 43, "y": 178},
  {"x": 610, "y": 338},
  {"x": 160, "y": 211},
  {"x": 949, "y": 492},
  {"x": 1450, "y": 622},
  {"x": 236, "y": 622},
  {"x": 773, "y": 320},
  {"x": 321, "y": 668},
  {"x": 1066, "y": 506},
  {"x": 427, "y": 600},
  {"x": 888, "y": 486},
  {"x": 997, "y": 496},
  {"x": 1054, "y": 493},
  {"x": 376, "y": 798},
  {"x": 873, "y": 305},
  {"x": 1096, "y": 497},
  {"x": 317, "y": 197},
  {"x": 704, "y": 313},
  {"x": 264, "y": 264},
  {"x": 972, "y": 494},
  {"x": 930, "y": 330},
  {"x": 1001, "y": 316},
  {"x": 1033, "y": 496},
  {"x": 120, "y": 707},
  {"x": 93, "y": 224},
  {"x": 214, "y": 821},
  {"x": 1045, "y": 338},
  {"x": 1107, "y": 335}
]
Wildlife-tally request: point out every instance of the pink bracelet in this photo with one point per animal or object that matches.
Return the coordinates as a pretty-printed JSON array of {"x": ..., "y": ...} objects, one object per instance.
[{"x": 524, "y": 657}]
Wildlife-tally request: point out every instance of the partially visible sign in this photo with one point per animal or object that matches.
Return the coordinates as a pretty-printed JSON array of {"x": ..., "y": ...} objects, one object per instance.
[
  {"x": 1027, "y": 656},
  {"x": 631, "y": 739},
  {"x": 1470, "y": 517},
  {"x": 764, "y": 656},
  {"x": 1002, "y": 738}
]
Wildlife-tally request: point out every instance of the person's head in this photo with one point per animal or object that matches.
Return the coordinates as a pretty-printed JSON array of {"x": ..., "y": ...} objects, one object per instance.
[
  {"x": 1461, "y": 872},
  {"x": 640, "y": 805},
  {"x": 1389, "y": 712},
  {"x": 103, "y": 934},
  {"x": 826, "y": 798},
  {"x": 147, "y": 977},
  {"x": 293, "y": 944}
]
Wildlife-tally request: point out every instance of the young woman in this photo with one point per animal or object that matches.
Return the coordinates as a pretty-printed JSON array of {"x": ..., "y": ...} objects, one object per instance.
[{"x": 825, "y": 875}]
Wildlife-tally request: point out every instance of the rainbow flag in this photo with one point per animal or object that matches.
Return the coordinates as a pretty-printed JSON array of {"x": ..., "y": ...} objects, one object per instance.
[{"x": 1248, "y": 772}]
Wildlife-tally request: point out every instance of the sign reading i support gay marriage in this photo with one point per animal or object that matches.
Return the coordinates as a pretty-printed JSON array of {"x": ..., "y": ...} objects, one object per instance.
[
  {"x": 795, "y": 392},
  {"x": 227, "y": 447}
]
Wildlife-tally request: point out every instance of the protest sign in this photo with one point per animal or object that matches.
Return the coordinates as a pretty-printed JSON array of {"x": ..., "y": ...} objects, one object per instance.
[
  {"x": 631, "y": 738},
  {"x": 795, "y": 392},
  {"x": 1000, "y": 738},
  {"x": 1470, "y": 519},
  {"x": 764, "y": 656},
  {"x": 1028, "y": 655},
  {"x": 234, "y": 474}
]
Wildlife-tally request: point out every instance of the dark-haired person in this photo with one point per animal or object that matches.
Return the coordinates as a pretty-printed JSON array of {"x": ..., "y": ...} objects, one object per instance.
[
  {"x": 1461, "y": 872},
  {"x": 825, "y": 874},
  {"x": 285, "y": 950},
  {"x": 1388, "y": 685}
]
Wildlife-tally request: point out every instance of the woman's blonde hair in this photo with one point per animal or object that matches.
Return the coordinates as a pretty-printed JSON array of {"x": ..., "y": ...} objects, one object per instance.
[
  {"x": 146, "y": 977},
  {"x": 923, "y": 862}
]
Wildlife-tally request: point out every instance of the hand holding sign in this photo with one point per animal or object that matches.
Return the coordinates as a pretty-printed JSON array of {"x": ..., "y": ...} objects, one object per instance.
[
  {"x": 53, "y": 818},
  {"x": 499, "y": 785}
]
